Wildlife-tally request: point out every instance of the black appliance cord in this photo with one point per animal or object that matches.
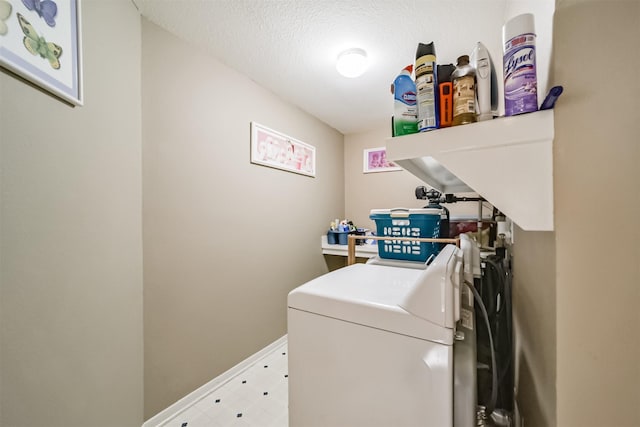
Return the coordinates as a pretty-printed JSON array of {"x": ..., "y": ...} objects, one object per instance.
[{"x": 494, "y": 374}]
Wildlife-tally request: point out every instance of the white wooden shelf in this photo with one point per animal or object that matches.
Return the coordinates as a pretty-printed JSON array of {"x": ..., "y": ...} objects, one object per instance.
[
  {"x": 508, "y": 161},
  {"x": 362, "y": 251}
]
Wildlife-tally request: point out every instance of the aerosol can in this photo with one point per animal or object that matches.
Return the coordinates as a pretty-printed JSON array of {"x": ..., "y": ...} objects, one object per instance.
[
  {"x": 426, "y": 71},
  {"x": 520, "y": 81}
]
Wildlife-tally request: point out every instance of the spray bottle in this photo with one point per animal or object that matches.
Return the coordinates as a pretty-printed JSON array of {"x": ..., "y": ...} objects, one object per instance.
[
  {"x": 486, "y": 83},
  {"x": 426, "y": 85},
  {"x": 520, "y": 81},
  {"x": 405, "y": 110}
]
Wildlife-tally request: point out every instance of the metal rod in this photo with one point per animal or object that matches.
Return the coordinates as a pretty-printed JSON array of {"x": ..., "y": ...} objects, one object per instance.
[
  {"x": 480, "y": 220},
  {"x": 351, "y": 243}
]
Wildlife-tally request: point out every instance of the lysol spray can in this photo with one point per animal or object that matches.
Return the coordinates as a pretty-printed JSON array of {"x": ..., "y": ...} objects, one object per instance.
[{"x": 520, "y": 81}]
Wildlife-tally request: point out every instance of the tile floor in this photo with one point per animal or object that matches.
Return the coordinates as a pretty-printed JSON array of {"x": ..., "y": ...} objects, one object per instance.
[{"x": 255, "y": 397}]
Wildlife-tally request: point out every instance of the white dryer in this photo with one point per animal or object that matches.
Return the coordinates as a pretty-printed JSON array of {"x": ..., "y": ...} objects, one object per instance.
[{"x": 373, "y": 345}]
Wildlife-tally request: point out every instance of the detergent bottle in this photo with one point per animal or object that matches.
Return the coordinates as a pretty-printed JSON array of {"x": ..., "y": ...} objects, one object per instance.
[
  {"x": 405, "y": 110},
  {"x": 464, "y": 92}
]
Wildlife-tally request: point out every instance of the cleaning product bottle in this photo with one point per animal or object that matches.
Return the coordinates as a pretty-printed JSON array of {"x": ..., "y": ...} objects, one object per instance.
[
  {"x": 464, "y": 92},
  {"x": 405, "y": 110},
  {"x": 520, "y": 81},
  {"x": 426, "y": 85},
  {"x": 486, "y": 83},
  {"x": 445, "y": 94}
]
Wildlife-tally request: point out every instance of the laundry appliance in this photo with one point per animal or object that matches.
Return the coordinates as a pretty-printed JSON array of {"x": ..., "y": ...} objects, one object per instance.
[{"x": 384, "y": 345}]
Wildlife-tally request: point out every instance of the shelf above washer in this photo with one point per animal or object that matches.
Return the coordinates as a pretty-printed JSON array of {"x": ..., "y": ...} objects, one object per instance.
[{"x": 508, "y": 161}]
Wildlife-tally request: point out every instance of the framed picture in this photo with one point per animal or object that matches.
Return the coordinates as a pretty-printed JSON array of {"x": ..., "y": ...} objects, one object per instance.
[
  {"x": 375, "y": 160},
  {"x": 40, "y": 41},
  {"x": 277, "y": 150}
]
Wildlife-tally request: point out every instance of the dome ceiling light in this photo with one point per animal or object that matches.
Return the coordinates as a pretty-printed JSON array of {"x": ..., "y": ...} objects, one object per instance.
[{"x": 352, "y": 62}]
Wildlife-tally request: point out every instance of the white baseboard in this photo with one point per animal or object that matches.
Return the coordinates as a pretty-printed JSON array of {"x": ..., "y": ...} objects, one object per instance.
[{"x": 165, "y": 415}]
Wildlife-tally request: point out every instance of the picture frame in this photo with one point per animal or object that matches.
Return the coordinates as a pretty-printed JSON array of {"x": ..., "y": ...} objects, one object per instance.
[
  {"x": 40, "y": 41},
  {"x": 276, "y": 150},
  {"x": 375, "y": 160}
]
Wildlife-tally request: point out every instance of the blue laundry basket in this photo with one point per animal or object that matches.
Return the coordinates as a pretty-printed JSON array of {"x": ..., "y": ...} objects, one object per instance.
[{"x": 402, "y": 222}]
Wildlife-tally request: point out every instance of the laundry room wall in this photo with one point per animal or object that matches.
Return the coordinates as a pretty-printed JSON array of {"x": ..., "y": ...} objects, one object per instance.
[
  {"x": 534, "y": 318},
  {"x": 576, "y": 289},
  {"x": 383, "y": 190},
  {"x": 596, "y": 175},
  {"x": 224, "y": 240},
  {"x": 379, "y": 190},
  {"x": 71, "y": 237}
]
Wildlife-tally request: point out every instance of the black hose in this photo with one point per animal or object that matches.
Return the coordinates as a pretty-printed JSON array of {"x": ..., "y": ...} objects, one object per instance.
[
  {"x": 494, "y": 375},
  {"x": 503, "y": 323}
]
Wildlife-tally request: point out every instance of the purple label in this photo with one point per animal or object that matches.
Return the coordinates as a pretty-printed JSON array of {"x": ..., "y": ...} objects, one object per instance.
[{"x": 520, "y": 83}]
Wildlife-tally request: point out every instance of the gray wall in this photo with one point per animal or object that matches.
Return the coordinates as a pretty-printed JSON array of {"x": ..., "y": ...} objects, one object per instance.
[
  {"x": 224, "y": 240},
  {"x": 576, "y": 294},
  {"x": 71, "y": 238},
  {"x": 379, "y": 190},
  {"x": 534, "y": 317},
  {"x": 382, "y": 190},
  {"x": 597, "y": 203}
]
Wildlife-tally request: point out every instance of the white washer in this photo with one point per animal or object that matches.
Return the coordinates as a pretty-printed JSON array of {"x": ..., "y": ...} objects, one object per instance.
[{"x": 372, "y": 345}]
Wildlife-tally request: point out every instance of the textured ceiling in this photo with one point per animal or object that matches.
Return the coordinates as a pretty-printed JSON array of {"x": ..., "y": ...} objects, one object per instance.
[{"x": 290, "y": 46}]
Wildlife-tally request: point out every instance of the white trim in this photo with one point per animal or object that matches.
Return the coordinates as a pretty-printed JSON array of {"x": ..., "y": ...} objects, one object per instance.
[{"x": 181, "y": 405}]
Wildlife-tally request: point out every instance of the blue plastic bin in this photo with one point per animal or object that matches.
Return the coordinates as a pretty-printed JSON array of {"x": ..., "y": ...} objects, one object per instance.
[
  {"x": 337, "y": 237},
  {"x": 402, "y": 222}
]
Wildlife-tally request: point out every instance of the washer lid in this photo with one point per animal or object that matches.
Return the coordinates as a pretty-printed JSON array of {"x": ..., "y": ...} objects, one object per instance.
[{"x": 374, "y": 296}]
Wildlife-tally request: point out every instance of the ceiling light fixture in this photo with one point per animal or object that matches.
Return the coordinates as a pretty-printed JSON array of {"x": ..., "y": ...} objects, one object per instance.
[{"x": 352, "y": 62}]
